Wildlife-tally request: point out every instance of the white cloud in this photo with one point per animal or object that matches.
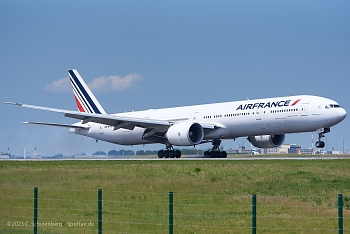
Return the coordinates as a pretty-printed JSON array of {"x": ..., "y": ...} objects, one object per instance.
[
  {"x": 114, "y": 83},
  {"x": 102, "y": 84},
  {"x": 60, "y": 86}
]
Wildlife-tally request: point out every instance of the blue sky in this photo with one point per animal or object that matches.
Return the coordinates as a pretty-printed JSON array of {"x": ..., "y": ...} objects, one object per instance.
[{"x": 166, "y": 53}]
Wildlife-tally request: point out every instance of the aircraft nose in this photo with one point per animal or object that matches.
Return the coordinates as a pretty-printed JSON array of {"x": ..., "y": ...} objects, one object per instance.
[{"x": 341, "y": 114}]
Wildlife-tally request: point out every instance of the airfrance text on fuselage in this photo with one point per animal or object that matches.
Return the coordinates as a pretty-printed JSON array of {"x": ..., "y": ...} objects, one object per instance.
[{"x": 252, "y": 106}]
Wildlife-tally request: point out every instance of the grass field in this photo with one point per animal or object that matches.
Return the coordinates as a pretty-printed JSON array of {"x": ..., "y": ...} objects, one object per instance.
[{"x": 210, "y": 196}]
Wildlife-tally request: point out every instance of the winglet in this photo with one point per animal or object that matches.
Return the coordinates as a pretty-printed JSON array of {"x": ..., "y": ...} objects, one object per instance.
[{"x": 84, "y": 98}]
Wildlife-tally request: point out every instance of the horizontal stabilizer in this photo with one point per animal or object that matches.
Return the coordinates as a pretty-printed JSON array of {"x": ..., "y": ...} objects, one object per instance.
[{"x": 58, "y": 125}]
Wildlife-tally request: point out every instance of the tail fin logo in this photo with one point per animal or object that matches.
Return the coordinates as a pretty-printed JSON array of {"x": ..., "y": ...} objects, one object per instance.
[{"x": 84, "y": 98}]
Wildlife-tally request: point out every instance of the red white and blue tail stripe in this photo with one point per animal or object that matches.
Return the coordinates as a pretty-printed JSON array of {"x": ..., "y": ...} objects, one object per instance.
[{"x": 85, "y": 99}]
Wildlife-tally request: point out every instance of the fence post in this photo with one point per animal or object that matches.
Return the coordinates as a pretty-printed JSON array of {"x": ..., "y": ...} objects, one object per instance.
[
  {"x": 171, "y": 212},
  {"x": 254, "y": 214},
  {"x": 340, "y": 213},
  {"x": 99, "y": 211},
  {"x": 35, "y": 210}
]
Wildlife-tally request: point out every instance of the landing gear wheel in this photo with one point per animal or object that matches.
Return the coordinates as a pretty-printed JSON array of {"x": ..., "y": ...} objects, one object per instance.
[
  {"x": 215, "y": 151},
  {"x": 215, "y": 154},
  {"x": 223, "y": 154},
  {"x": 320, "y": 144},
  {"x": 169, "y": 152},
  {"x": 177, "y": 153},
  {"x": 166, "y": 153}
]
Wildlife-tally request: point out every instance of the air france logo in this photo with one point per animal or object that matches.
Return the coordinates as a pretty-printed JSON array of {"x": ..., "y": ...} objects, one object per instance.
[{"x": 252, "y": 106}]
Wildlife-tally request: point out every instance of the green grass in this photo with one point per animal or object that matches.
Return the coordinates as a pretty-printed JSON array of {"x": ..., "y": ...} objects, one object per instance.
[{"x": 212, "y": 196}]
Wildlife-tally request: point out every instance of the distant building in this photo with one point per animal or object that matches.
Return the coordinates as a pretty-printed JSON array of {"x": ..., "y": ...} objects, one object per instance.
[
  {"x": 272, "y": 150},
  {"x": 283, "y": 149},
  {"x": 232, "y": 151},
  {"x": 290, "y": 149},
  {"x": 294, "y": 149},
  {"x": 264, "y": 150},
  {"x": 4, "y": 155},
  {"x": 306, "y": 151},
  {"x": 241, "y": 149}
]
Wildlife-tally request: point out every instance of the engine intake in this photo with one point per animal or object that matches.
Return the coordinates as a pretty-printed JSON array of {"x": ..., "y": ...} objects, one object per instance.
[
  {"x": 267, "y": 141},
  {"x": 185, "y": 134}
]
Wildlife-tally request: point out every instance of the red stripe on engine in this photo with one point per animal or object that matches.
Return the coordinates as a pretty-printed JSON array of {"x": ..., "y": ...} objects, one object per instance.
[
  {"x": 80, "y": 107},
  {"x": 296, "y": 102}
]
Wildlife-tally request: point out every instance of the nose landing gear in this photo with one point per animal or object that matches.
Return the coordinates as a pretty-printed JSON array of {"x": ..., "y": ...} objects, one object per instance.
[{"x": 319, "y": 143}]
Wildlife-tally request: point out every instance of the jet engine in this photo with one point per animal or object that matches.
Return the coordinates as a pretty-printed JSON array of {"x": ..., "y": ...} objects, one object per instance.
[
  {"x": 185, "y": 134},
  {"x": 267, "y": 141}
]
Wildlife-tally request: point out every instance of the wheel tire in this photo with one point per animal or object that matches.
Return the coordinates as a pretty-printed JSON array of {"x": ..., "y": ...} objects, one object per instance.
[
  {"x": 171, "y": 153},
  {"x": 212, "y": 154},
  {"x": 223, "y": 154},
  {"x": 160, "y": 154},
  {"x": 206, "y": 153},
  {"x": 317, "y": 144},
  {"x": 322, "y": 144},
  {"x": 177, "y": 153},
  {"x": 166, "y": 153}
]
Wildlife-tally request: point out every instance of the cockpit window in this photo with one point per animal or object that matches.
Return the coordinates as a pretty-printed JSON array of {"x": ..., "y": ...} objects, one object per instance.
[{"x": 332, "y": 106}]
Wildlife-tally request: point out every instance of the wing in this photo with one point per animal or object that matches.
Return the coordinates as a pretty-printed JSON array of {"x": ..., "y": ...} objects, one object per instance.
[{"x": 152, "y": 126}]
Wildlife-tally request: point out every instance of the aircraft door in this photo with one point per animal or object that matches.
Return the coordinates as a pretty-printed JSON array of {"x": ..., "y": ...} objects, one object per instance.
[
  {"x": 258, "y": 115},
  {"x": 195, "y": 117},
  {"x": 304, "y": 109}
]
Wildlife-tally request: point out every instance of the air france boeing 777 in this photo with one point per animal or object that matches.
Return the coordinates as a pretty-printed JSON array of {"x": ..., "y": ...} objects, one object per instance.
[{"x": 263, "y": 121}]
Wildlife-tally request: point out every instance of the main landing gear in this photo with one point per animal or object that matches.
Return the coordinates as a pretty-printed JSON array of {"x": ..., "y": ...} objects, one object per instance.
[
  {"x": 319, "y": 143},
  {"x": 169, "y": 152},
  {"x": 215, "y": 151}
]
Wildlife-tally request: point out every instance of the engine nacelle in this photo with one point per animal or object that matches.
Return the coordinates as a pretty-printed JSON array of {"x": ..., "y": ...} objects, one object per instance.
[
  {"x": 267, "y": 141},
  {"x": 185, "y": 134}
]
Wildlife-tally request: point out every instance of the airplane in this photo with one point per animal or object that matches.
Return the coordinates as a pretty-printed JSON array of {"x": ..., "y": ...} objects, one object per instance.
[{"x": 264, "y": 122}]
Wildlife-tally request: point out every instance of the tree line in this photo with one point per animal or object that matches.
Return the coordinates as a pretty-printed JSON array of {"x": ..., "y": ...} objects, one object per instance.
[{"x": 123, "y": 152}]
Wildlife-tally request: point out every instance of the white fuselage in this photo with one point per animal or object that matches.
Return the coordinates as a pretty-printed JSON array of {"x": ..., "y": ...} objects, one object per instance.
[{"x": 270, "y": 116}]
